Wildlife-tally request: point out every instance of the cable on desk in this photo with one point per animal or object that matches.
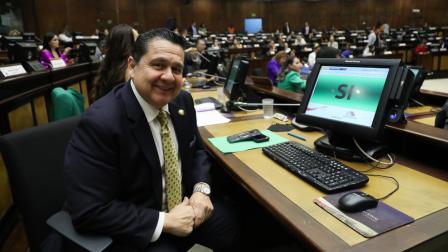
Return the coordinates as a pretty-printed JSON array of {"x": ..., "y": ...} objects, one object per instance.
[
  {"x": 397, "y": 185},
  {"x": 387, "y": 165},
  {"x": 247, "y": 110}
]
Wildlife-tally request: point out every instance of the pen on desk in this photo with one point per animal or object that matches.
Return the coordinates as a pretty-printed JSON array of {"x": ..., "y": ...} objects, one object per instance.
[{"x": 297, "y": 136}]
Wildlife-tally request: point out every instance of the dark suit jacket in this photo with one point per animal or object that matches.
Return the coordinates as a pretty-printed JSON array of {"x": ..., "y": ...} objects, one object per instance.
[
  {"x": 304, "y": 30},
  {"x": 113, "y": 176},
  {"x": 285, "y": 30}
]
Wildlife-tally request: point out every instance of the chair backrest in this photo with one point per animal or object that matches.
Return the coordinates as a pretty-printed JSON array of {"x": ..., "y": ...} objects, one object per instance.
[
  {"x": 258, "y": 66},
  {"x": 34, "y": 160},
  {"x": 66, "y": 103},
  {"x": 262, "y": 81},
  {"x": 441, "y": 120}
]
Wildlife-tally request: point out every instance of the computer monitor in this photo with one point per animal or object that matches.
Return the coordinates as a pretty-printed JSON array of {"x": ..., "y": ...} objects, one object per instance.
[
  {"x": 86, "y": 51},
  {"x": 24, "y": 51},
  {"x": 234, "y": 85},
  {"x": 9, "y": 41},
  {"x": 29, "y": 36},
  {"x": 419, "y": 77},
  {"x": 212, "y": 64},
  {"x": 349, "y": 98}
]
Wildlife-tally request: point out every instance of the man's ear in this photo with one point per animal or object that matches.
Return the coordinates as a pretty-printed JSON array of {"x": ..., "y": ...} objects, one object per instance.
[{"x": 131, "y": 66}]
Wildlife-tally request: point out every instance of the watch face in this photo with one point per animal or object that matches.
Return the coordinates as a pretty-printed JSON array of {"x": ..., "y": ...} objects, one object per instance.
[{"x": 206, "y": 190}]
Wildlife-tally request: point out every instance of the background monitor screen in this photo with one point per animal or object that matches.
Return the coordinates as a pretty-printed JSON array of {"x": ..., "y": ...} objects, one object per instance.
[
  {"x": 253, "y": 25},
  {"x": 347, "y": 94},
  {"x": 234, "y": 85},
  {"x": 231, "y": 78}
]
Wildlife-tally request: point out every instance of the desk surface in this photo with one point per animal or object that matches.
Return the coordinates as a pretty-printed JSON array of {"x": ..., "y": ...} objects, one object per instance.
[
  {"x": 290, "y": 199},
  {"x": 438, "y": 87}
]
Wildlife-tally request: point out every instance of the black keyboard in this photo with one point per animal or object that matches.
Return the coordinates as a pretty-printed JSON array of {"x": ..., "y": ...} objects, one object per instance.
[
  {"x": 218, "y": 104},
  {"x": 327, "y": 174}
]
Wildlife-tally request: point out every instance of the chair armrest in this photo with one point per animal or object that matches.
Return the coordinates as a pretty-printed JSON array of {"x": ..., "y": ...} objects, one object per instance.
[{"x": 62, "y": 223}]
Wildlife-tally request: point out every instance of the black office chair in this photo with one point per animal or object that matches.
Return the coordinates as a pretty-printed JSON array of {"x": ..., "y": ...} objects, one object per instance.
[
  {"x": 442, "y": 117},
  {"x": 35, "y": 160}
]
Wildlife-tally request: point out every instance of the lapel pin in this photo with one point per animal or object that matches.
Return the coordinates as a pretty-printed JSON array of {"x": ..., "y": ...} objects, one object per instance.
[{"x": 181, "y": 112}]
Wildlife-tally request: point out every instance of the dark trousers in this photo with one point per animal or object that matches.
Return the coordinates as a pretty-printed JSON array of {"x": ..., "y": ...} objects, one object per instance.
[{"x": 220, "y": 232}]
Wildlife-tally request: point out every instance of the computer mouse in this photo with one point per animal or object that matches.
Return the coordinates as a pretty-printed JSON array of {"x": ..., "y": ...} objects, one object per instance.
[{"x": 356, "y": 202}]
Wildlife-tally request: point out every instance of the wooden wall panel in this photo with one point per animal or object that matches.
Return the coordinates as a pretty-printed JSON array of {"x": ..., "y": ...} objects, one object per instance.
[
  {"x": 81, "y": 15},
  {"x": 84, "y": 15},
  {"x": 51, "y": 15},
  {"x": 157, "y": 11},
  {"x": 106, "y": 13},
  {"x": 128, "y": 12}
]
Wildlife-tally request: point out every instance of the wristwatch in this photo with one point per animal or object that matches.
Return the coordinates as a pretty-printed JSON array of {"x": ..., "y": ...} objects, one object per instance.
[{"x": 203, "y": 188}]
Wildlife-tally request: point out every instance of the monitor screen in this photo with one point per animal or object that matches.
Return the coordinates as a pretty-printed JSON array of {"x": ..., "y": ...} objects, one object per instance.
[
  {"x": 347, "y": 94},
  {"x": 253, "y": 25},
  {"x": 419, "y": 77},
  {"x": 235, "y": 78},
  {"x": 349, "y": 98},
  {"x": 24, "y": 51},
  {"x": 212, "y": 65}
]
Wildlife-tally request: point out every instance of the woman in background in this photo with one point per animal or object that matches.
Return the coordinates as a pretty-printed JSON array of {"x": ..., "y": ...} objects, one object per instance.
[
  {"x": 289, "y": 79},
  {"x": 274, "y": 66},
  {"x": 114, "y": 67},
  {"x": 51, "y": 50}
]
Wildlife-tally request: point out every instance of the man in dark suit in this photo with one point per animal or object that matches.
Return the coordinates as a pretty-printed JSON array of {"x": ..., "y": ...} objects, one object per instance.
[
  {"x": 195, "y": 58},
  {"x": 306, "y": 30},
  {"x": 286, "y": 29},
  {"x": 136, "y": 169}
]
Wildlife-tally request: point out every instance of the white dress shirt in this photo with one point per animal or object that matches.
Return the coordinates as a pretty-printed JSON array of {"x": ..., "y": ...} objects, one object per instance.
[{"x": 151, "y": 116}]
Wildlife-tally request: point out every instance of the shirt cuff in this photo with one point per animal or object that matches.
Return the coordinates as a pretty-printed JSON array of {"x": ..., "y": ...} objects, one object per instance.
[{"x": 159, "y": 227}]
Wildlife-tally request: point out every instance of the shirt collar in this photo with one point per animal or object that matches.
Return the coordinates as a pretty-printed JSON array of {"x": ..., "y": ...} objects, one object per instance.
[{"x": 150, "y": 111}]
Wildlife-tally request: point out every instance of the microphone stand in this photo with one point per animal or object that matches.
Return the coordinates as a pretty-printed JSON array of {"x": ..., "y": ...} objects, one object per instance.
[
  {"x": 296, "y": 124},
  {"x": 261, "y": 104},
  {"x": 216, "y": 76},
  {"x": 202, "y": 56}
]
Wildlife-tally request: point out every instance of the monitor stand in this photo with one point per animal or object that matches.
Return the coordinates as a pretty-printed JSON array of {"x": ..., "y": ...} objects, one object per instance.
[
  {"x": 343, "y": 147},
  {"x": 247, "y": 95}
]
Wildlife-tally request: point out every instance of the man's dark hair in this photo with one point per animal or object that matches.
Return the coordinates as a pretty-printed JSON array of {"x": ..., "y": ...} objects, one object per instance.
[
  {"x": 378, "y": 25},
  {"x": 197, "y": 41},
  {"x": 144, "y": 39}
]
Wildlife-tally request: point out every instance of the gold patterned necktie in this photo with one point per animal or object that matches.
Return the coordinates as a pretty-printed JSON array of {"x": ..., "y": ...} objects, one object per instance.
[{"x": 173, "y": 187}]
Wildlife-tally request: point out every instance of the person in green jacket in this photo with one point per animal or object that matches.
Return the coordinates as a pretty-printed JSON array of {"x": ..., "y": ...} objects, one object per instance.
[{"x": 289, "y": 79}]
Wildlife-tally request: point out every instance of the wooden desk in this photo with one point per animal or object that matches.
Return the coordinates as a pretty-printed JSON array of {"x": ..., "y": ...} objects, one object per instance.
[
  {"x": 290, "y": 199},
  {"x": 275, "y": 92},
  {"x": 437, "y": 87},
  {"x": 434, "y": 61}
]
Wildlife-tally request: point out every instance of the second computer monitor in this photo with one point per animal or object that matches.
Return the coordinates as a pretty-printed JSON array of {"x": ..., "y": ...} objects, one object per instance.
[
  {"x": 234, "y": 85},
  {"x": 419, "y": 77},
  {"x": 212, "y": 65}
]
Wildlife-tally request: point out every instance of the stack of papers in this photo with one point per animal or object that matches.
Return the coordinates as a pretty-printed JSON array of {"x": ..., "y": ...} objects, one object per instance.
[{"x": 207, "y": 115}]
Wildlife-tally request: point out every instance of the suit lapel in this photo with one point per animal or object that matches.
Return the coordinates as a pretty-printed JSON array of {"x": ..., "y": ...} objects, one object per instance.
[
  {"x": 179, "y": 120},
  {"x": 144, "y": 138}
]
